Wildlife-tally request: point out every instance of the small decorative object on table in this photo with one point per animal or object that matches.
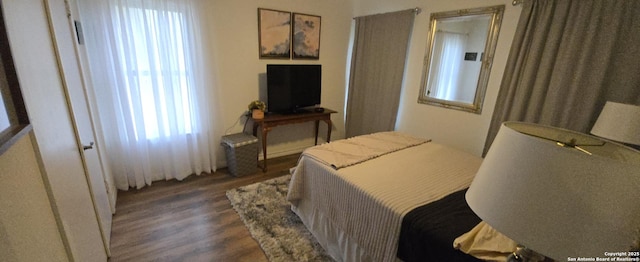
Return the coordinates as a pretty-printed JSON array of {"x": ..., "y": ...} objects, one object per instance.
[{"x": 257, "y": 108}]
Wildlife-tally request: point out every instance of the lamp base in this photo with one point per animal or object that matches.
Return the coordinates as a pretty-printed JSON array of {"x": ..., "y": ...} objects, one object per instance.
[{"x": 523, "y": 254}]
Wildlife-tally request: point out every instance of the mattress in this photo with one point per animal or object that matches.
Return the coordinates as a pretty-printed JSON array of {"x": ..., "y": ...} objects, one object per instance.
[{"x": 355, "y": 212}]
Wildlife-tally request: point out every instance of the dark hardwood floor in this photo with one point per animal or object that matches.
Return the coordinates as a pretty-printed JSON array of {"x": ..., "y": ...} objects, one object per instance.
[{"x": 191, "y": 220}]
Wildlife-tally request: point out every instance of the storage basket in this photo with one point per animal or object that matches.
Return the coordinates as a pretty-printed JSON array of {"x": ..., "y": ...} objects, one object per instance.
[{"x": 242, "y": 153}]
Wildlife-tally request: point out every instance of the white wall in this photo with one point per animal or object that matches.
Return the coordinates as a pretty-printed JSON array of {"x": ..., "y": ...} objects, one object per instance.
[
  {"x": 28, "y": 230},
  {"x": 233, "y": 30},
  {"x": 466, "y": 131}
]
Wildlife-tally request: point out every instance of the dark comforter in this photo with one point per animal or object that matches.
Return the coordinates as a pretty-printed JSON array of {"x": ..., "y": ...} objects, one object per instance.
[{"x": 427, "y": 232}]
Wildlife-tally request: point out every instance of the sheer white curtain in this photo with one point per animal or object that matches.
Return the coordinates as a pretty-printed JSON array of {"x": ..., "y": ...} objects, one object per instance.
[
  {"x": 145, "y": 63},
  {"x": 448, "y": 54}
]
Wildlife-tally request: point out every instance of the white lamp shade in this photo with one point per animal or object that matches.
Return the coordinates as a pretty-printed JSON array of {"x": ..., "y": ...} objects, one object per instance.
[
  {"x": 619, "y": 122},
  {"x": 555, "y": 200}
]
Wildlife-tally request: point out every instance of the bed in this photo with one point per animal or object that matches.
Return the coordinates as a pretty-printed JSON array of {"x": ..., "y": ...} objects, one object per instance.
[{"x": 353, "y": 194}]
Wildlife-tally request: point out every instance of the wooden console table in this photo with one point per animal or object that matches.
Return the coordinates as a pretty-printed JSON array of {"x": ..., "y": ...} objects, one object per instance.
[{"x": 272, "y": 120}]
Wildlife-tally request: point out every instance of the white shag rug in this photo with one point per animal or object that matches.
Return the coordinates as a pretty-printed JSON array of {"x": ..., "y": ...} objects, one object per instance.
[{"x": 267, "y": 214}]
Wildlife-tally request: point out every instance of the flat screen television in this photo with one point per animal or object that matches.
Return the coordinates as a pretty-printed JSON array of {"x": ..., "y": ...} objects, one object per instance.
[{"x": 292, "y": 87}]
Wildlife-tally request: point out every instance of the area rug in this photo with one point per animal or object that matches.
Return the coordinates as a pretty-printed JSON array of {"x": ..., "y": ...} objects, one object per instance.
[{"x": 268, "y": 216}]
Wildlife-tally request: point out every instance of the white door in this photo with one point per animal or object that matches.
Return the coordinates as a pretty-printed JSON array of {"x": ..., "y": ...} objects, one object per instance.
[{"x": 72, "y": 78}]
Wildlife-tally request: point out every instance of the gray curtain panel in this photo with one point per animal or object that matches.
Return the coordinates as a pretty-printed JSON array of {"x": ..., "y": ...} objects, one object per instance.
[
  {"x": 377, "y": 69},
  {"x": 567, "y": 59}
]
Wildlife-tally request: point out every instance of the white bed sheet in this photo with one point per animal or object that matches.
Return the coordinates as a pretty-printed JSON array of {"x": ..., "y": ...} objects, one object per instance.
[{"x": 356, "y": 212}]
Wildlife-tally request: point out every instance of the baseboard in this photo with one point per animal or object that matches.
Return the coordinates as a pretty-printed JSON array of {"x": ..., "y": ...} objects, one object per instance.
[
  {"x": 272, "y": 155},
  {"x": 284, "y": 152}
]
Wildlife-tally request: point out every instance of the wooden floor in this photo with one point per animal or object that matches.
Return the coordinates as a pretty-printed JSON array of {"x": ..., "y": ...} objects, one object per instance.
[{"x": 191, "y": 220}]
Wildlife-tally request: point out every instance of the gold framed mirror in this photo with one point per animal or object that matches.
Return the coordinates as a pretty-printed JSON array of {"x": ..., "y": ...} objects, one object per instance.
[{"x": 459, "y": 55}]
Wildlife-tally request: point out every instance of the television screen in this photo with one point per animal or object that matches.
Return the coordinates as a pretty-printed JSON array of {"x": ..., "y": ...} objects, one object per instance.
[{"x": 291, "y": 87}]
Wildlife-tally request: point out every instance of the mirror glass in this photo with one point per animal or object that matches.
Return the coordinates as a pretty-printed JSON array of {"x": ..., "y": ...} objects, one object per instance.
[{"x": 459, "y": 55}]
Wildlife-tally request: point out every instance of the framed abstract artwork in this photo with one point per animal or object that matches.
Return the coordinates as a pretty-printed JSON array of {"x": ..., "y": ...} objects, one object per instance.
[
  {"x": 274, "y": 35},
  {"x": 306, "y": 36}
]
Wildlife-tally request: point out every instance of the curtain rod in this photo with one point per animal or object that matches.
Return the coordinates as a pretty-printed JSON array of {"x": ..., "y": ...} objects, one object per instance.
[
  {"x": 517, "y": 2},
  {"x": 416, "y": 10}
]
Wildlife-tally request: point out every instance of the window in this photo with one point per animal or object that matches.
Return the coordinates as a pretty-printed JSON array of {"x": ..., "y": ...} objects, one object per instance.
[
  {"x": 150, "y": 86},
  {"x": 4, "y": 115},
  {"x": 158, "y": 82},
  {"x": 14, "y": 121}
]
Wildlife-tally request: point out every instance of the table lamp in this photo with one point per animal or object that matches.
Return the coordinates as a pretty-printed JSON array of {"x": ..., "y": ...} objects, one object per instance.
[
  {"x": 619, "y": 122},
  {"x": 557, "y": 192}
]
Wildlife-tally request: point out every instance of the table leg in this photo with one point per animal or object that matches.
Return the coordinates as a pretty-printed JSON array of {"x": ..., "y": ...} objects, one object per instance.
[
  {"x": 329, "y": 126},
  {"x": 265, "y": 131},
  {"x": 263, "y": 138},
  {"x": 316, "y": 133}
]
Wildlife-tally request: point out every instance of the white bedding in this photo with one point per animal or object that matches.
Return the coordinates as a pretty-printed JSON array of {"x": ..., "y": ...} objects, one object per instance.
[
  {"x": 355, "y": 150},
  {"x": 356, "y": 212}
]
